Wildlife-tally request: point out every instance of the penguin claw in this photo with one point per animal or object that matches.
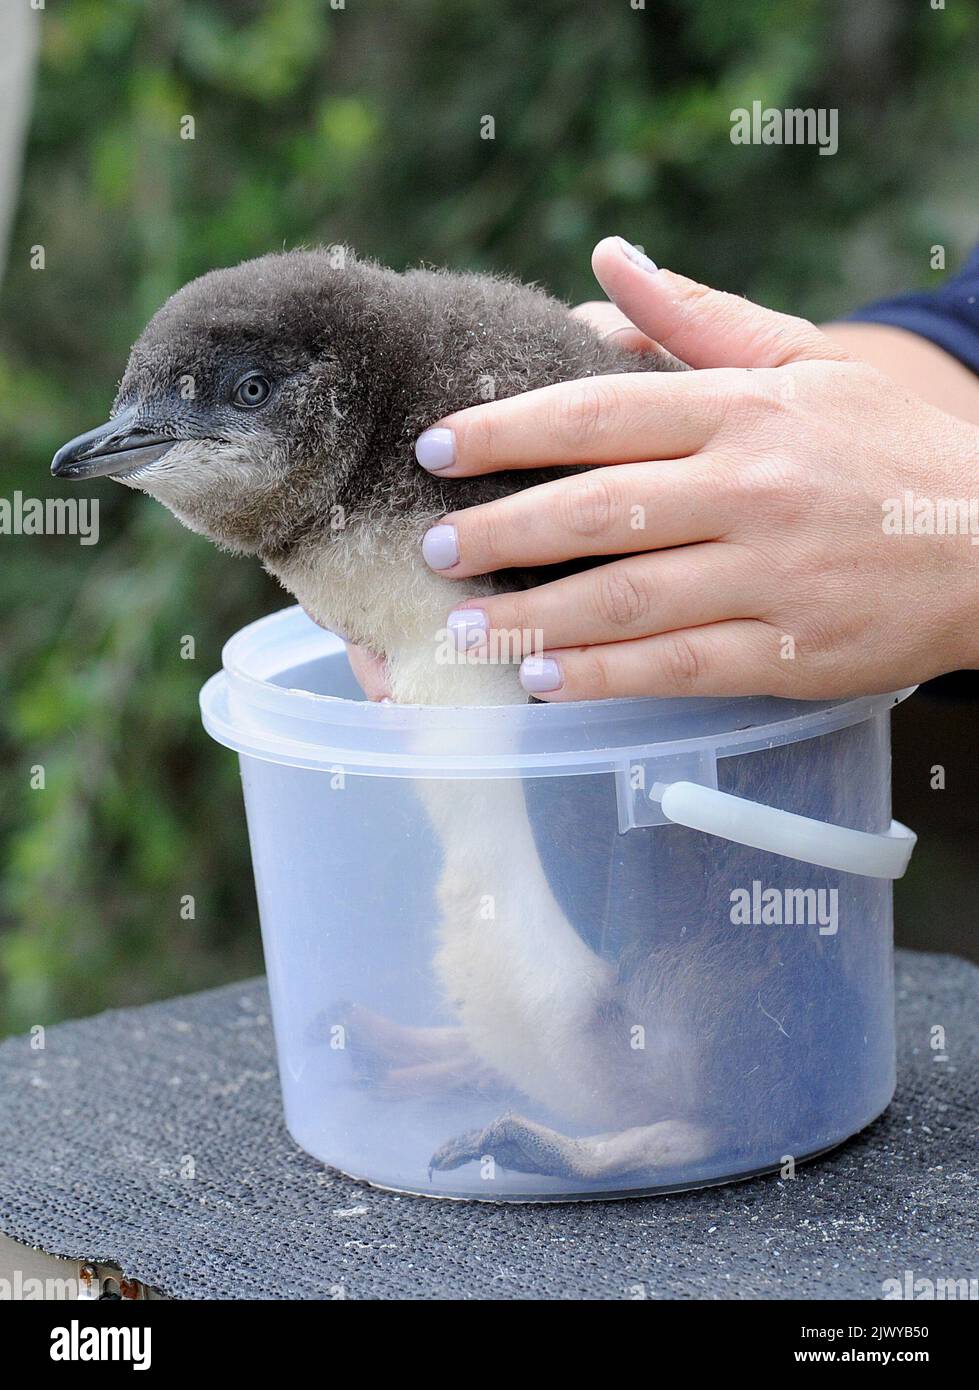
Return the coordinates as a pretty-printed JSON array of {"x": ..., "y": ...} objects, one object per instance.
[
  {"x": 511, "y": 1142},
  {"x": 465, "y": 1148}
]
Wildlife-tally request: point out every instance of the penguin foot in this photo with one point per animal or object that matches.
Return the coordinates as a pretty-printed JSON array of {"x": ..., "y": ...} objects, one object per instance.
[
  {"x": 431, "y": 1080},
  {"x": 524, "y": 1146},
  {"x": 399, "y": 1061},
  {"x": 512, "y": 1142}
]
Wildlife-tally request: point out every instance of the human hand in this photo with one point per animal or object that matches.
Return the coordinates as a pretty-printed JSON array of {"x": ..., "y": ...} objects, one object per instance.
[
  {"x": 748, "y": 498},
  {"x": 369, "y": 671}
]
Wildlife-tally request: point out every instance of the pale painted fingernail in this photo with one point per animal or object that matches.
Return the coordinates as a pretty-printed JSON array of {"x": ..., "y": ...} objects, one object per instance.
[
  {"x": 635, "y": 255},
  {"x": 539, "y": 674},
  {"x": 468, "y": 627},
  {"x": 440, "y": 547},
  {"x": 435, "y": 449}
]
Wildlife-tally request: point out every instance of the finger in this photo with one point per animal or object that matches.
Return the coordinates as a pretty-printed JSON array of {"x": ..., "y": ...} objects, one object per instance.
[
  {"x": 702, "y": 326},
  {"x": 370, "y": 672},
  {"x": 740, "y": 657},
  {"x": 610, "y": 322},
  {"x": 603, "y": 316},
  {"x": 634, "y": 597},
  {"x": 595, "y": 513},
  {"x": 600, "y": 419}
]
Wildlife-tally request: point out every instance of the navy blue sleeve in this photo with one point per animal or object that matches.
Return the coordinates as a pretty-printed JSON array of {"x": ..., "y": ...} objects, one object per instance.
[{"x": 948, "y": 316}]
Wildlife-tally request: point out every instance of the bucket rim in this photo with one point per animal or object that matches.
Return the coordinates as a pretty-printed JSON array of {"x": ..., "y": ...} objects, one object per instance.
[{"x": 244, "y": 708}]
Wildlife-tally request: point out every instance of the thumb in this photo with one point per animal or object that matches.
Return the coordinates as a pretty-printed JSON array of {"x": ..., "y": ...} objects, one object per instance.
[{"x": 701, "y": 326}]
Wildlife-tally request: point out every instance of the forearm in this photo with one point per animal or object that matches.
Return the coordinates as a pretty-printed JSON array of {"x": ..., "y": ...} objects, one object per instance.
[{"x": 913, "y": 362}]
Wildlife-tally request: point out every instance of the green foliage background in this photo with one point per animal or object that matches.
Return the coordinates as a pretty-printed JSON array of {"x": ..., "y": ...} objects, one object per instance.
[{"x": 362, "y": 124}]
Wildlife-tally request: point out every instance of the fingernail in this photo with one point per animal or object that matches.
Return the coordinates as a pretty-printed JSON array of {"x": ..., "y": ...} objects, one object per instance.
[
  {"x": 440, "y": 547},
  {"x": 435, "y": 449},
  {"x": 539, "y": 674},
  {"x": 468, "y": 626},
  {"x": 636, "y": 256},
  {"x": 626, "y": 328}
]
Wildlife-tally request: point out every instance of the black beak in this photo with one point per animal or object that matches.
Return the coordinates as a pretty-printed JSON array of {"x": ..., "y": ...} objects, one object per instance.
[{"x": 112, "y": 449}]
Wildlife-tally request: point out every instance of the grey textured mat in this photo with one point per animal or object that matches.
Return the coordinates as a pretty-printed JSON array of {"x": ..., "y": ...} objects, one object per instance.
[{"x": 94, "y": 1131}]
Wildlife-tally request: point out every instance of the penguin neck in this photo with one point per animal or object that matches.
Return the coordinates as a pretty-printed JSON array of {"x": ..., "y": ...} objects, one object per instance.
[{"x": 369, "y": 583}]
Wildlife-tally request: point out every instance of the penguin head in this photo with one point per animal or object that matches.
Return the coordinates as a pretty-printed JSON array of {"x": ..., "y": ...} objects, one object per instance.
[{"x": 231, "y": 411}]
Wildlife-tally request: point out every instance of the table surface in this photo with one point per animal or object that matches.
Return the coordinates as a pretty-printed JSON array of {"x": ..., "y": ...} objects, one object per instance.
[{"x": 152, "y": 1138}]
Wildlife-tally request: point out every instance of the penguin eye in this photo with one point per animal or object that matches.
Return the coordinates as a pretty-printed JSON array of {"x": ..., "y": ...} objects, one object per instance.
[{"x": 252, "y": 390}]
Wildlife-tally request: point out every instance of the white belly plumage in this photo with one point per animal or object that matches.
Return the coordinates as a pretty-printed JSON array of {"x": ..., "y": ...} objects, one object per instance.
[{"x": 531, "y": 997}]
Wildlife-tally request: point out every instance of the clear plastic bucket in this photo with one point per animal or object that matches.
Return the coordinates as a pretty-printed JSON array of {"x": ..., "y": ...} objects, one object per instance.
[{"x": 536, "y": 952}]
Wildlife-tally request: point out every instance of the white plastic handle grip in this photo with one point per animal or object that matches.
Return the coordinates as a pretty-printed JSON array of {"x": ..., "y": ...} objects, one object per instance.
[{"x": 782, "y": 832}]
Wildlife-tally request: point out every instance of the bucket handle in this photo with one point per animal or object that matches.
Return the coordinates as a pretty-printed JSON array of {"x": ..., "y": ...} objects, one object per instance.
[{"x": 782, "y": 832}]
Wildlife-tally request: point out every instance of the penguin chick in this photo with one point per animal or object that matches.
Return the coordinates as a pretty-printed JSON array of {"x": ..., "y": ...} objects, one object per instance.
[{"x": 274, "y": 408}]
